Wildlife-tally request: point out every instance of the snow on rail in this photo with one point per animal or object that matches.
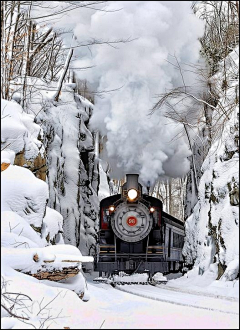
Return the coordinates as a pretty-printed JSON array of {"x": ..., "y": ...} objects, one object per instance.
[
  {"x": 123, "y": 278},
  {"x": 184, "y": 299}
]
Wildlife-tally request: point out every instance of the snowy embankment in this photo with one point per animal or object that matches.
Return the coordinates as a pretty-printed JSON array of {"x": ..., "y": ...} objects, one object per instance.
[
  {"x": 206, "y": 284},
  {"x": 36, "y": 276},
  {"x": 212, "y": 231}
]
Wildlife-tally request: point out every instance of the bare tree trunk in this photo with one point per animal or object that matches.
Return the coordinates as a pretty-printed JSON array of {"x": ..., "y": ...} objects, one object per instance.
[
  {"x": 170, "y": 195},
  {"x": 26, "y": 55},
  {"x": 65, "y": 69},
  {"x": 42, "y": 43},
  {"x": 50, "y": 57},
  {"x": 3, "y": 49},
  {"x": 193, "y": 159},
  {"x": 167, "y": 201},
  {"x": 237, "y": 6},
  {"x": 12, "y": 56}
]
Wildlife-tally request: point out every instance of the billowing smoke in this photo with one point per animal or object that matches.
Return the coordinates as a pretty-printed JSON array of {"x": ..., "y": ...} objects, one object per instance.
[{"x": 137, "y": 142}]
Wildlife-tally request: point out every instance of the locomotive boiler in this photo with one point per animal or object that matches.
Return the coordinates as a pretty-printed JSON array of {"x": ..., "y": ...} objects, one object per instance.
[{"x": 135, "y": 235}]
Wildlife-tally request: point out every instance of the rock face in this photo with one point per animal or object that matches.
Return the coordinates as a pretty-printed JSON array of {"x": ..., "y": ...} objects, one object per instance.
[
  {"x": 59, "y": 151},
  {"x": 212, "y": 230},
  {"x": 36, "y": 165},
  {"x": 73, "y": 174},
  {"x": 212, "y": 234}
]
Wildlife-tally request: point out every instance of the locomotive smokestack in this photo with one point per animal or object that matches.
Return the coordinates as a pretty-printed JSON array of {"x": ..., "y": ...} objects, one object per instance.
[{"x": 132, "y": 181}]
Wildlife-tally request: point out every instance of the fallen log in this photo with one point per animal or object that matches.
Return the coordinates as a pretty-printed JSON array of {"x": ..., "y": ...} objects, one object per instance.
[{"x": 55, "y": 274}]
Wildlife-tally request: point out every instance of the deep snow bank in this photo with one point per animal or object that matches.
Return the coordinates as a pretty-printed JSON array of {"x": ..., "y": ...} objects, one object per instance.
[{"x": 28, "y": 229}]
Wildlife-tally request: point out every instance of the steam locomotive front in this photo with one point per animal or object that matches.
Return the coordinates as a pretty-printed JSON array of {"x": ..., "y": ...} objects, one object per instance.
[
  {"x": 130, "y": 235},
  {"x": 131, "y": 218},
  {"x": 136, "y": 235}
]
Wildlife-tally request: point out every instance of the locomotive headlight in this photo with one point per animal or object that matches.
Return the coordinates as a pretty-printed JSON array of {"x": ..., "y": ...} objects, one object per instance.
[
  {"x": 132, "y": 194},
  {"x": 152, "y": 209},
  {"x": 111, "y": 208}
]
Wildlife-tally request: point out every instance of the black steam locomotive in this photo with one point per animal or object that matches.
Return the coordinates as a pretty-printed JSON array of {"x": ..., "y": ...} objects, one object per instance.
[{"x": 136, "y": 235}]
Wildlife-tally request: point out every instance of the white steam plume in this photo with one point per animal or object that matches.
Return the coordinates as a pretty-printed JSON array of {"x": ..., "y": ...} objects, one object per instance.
[{"x": 137, "y": 142}]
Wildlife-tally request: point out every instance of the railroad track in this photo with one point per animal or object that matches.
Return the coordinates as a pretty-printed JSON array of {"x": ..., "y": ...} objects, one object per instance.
[
  {"x": 230, "y": 309},
  {"x": 113, "y": 281}
]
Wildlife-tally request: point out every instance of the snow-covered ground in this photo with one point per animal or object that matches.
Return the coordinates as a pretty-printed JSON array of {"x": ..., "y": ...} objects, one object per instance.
[
  {"x": 110, "y": 308},
  {"x": 142, "y": 307}
]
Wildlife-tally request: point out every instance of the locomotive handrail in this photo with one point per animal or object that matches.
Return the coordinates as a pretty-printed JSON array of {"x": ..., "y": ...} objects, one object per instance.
[
  {"x": 147, "y": 247},
  {"x": 115, "y": 243}
]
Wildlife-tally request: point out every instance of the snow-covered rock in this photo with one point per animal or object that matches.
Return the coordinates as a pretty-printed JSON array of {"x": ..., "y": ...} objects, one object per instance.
[
  {"x": 21, "y": 137},
  {"x": 212, "y": 231},
  {"x": 73, "y": 174}
]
